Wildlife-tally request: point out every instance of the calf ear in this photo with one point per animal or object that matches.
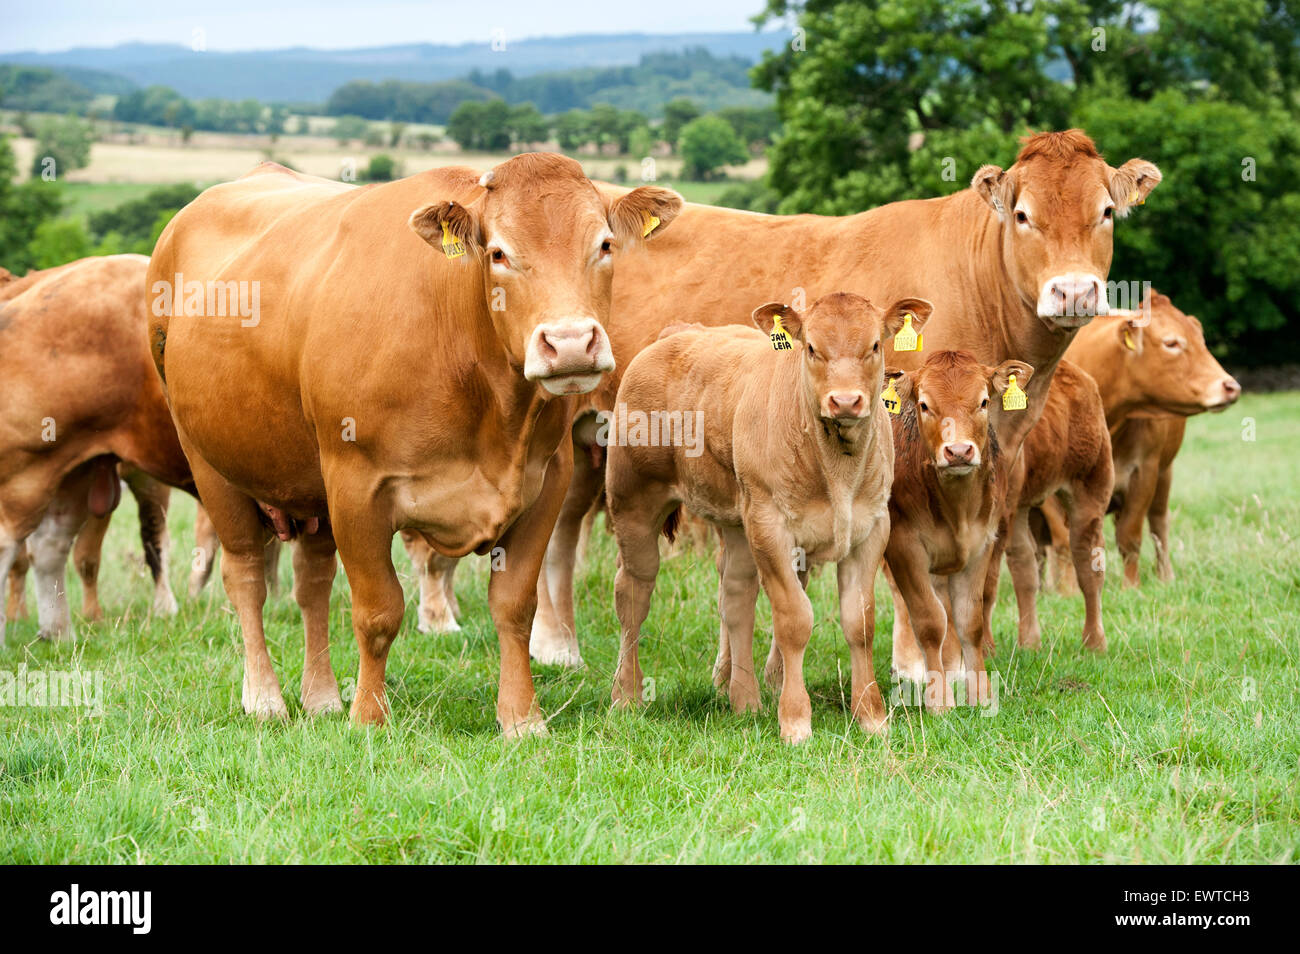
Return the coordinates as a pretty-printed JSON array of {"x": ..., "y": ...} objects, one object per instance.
[
  {"x": 462, "y": 226},
  {"x": 643, "y": 213},
  {"x": 994, "y": 186},
  {"x": 1129, "y": 331},
  {"x": 902, "y": 382},
  {"x": 1131, "y": 183},
  {"x": 918, "y": 308},
  {"x": 764, "y": 318},
  {"x": 1000, "y": 376}
]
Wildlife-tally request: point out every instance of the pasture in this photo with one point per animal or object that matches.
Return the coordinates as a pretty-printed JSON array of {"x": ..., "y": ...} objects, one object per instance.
[{"x": 1180, "y": 746}]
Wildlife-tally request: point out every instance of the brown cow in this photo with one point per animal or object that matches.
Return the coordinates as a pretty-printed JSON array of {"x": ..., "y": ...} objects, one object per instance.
[
  {"x": 80, "y": 395},
  {"x": 1015, "y": 264},
  {"x": 1154, "y": 370},
  {"x": 1065, "y": 457},
  {"x": 369, "y": 383},
  {"x": 949, "y": 491},
  {"x": 793, "y": 467}
]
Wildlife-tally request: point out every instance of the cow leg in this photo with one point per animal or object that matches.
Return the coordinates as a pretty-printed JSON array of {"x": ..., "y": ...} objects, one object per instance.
[
  {"x": 8, "y": 557},
  {"x": 85, "y": 559},
  {"x": 1158, "y": 514},
  {"x": 722, "y": 664},
  {"x": 274, "y": 547},
  {"x": 49, "y": 546},
  {"x": 554, "y": 637},
  {"x": 1128, "y": 524},
  {"x": 856, "y": 576},
  {"x": 966, "y": 622},
  {"x": 1022, "y": 561},
  {"x": 792, "y": 620},
  {"x": 909, "y": 567},
  {"x": 152, "y": 498},
  {"x": 512, "y": 597},
  {"x": 206, "y": 544},
  {"x": 637, "y": 522},
  {"x": 1060, "y": 568},
  {"x": 738, "y": 596},
  {"x": 773, "y": 674},
  {"x": 435, "y": 570},
  {"x": 1087, "y": 543},
  {"x": 16, "y": 597},
  {"x": 908, "y": 658},
  {"x": 314, "y": 568}
]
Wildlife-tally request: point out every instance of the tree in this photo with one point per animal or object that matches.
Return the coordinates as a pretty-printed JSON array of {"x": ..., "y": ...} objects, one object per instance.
[
  {"x": 381, "y": 168},
  {"x": 677, "y": 113},
  {"x": 707, "y": 144},
  {"x": 62, "y": 145},
  {"x": 348, "y": 128},
  {"x": 22, "y": 210}
]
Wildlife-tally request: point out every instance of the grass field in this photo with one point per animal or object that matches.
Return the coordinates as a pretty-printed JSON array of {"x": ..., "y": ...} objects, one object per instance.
[{"x": 1181, "y": 745}]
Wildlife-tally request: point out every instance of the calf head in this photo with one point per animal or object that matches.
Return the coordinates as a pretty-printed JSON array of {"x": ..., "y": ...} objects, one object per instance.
[
  {"x": 957, "y": 403},
  {"x": 1057, "y": 205},
  {"x": 544, "y": 240},
  {"x": 838, "y": 343},
  {"x": 1165, "y": 359}
]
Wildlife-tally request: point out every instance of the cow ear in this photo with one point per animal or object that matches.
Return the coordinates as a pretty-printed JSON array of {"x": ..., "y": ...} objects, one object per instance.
[
  {"x": 1129, "y": 331},
  {"x": 765, "y": 319},
  {"x": 1131, "y": 183},
  {"x": 994, "y": 186},
  {"x": 462, "y": 226},
  {"x": 1000, "y": 376},
  {"x": 643, "y": 213},
  {"x": 918, "y": 308},
  {"x": 902, "y": 382}
]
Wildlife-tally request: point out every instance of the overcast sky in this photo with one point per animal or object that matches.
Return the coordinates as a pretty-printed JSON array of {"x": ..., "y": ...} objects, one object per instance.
[{"x": 273, "y": 24}]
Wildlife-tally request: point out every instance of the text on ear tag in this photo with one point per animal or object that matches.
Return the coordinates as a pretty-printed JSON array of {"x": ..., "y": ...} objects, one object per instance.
[
  {"x": 648, "y": 223},
  {"x": 1128, "y": 342},
  {"x": 890, "y": 397},
  {"x": 452, "y": 247},
  {"x": 1014, "y": 399},
  {"x": 907, "y": 339},
  {"x": 780, "y": 337}
]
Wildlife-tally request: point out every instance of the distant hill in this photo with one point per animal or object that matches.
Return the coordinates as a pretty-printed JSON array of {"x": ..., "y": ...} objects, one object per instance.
[{"x": 308, "y": 75}]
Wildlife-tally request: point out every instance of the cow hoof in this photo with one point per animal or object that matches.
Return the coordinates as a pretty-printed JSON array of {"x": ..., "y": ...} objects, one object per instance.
[
  {"x": 266, "y": 709},
  {"x": 721, "y": 673},
  {"x": 796, "y": 734},
  {"x": 59, "y": 634},
  {"x": 1096, "y": 644},
  {"x": 743, "y": 703},
  {"x": 1031, "y": 641},
  {"x": 550, "y": 655},
  {"x": 323, "y": 702},
  {"x": 874, "y": 725},
  {"x": 438, "y": 627},
  {"x": 533, "y": 726},
  {"x": 164, "y": 604}
]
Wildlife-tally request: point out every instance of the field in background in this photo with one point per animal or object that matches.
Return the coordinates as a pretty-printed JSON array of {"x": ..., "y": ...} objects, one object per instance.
[{"x": 1181, "y": 745}]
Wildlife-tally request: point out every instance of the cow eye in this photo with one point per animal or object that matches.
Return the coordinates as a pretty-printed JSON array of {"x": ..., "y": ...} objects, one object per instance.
[
  {"x": 984, "y": 403},
  {"x": 607, "y": 247},
  {"x": 499, "y": 257},
  {"x": 925, "y": 408},
  {"x": 1172, "y": 344},
  {"x": 875, "y": 348},
  {"x": 1109, "y": 213},
  {"x": 811, "y": 352},
  {"x": 1021, "y": 217}
]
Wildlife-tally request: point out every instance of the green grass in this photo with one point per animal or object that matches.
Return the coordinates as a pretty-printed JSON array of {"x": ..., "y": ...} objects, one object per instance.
[
  {"x": 1179, "y": 746},
  {"x": 80, "y": 199}
]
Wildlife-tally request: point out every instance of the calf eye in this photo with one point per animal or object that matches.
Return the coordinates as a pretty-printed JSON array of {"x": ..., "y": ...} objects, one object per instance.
[
  {"x": 606, "y": 247},
  {"x": 1109, "y": 213},
  {"x": 811, "y": 352},
  {"x": 875, "y": 348},
  {"x": 984, "y": 403},
  {"x": 923, "y": 406},
  {"x": 1021, "y": 217},
  {"x": 498, "y": 257},
  {"x": 1171, "y": 344}
]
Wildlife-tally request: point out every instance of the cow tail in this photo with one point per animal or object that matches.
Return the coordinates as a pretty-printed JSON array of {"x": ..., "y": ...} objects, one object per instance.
[{"x": 671, "y": 524}]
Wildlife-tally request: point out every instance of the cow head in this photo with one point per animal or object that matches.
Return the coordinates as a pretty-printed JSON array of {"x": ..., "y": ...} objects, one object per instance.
[
  {"x": 839, "y": 344},
  {"x": 957, "y": 401},
  {"x": 1057, "y": 206},
  {"x": 544, "y": 240},
  {"x": 1165, "y": 359}
]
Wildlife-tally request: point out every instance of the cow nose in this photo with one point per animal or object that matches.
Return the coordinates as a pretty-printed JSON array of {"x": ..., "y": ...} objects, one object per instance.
[
  {"x": 1074, "y": 297},
  {"x": 568, "y": 346},
  {"x": 959, "y": 453},
  {"x": 1231, "y": 389},
  {"x": 847, "y": 403}
]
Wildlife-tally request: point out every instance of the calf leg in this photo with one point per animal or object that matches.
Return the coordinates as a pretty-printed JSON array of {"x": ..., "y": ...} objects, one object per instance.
[
  {"x": 856, "y": 576},
  {"x": 908, "y": 660},
  {"x": 85, "y": 558},
  {"x": 1128, "y": 524},
  {"x": 722, "y": 664},
  {"x": 205, "y": 551},
  {"x": 1087, "y": 546},
  {"x": 554, "y": 638},
  {"x": 152, "y": 499},
  {"x": 792, "y": 620},
  {"x": 1060, "y": 569},
  {"x": 738, "y": 595},
  {"x": 8, "y": 555},
  {"x": 1158, "y": 514},
  {"x": 314, "y": 567},
  {"x": 437, "y": 614},
  {"x": 967, "y": 621},
  {"x": 910, "y": 569},
  {"x": 49, "y": 547},
  {"x": 16, "y": 597},
  {"x": 1023, "y": 564},
  {"x": 637, "y": 521}
]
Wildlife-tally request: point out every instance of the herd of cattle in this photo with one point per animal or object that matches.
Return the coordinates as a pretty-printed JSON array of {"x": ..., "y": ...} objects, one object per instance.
[{"x": 931, "y": 385}]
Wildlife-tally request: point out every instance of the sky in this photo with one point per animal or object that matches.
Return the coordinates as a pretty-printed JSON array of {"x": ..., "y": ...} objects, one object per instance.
[{"x": 47, "y": 25}]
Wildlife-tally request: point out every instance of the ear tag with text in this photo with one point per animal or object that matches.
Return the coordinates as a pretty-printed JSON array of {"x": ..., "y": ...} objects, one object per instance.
[
  {"x": 1134, "y": 197},
  {"x": 907, "y": 339},
  {"x": 1014, "y": 399},
  {"x": 452, "y": 247},
  {"x": 648, "y": 223},
  {"x": 890, "y": 397},
  {"x": 1128, "y": 342},
  {"x": 780, "y": 337}
]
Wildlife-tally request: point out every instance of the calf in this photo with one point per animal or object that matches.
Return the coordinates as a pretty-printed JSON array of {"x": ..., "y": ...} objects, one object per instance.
[
  {"x": 1154, "y": 371},
  {"x": 794, "y": 470},
  {"x": 949, "y": 490},
  {"x": 1066, "y": 457}
]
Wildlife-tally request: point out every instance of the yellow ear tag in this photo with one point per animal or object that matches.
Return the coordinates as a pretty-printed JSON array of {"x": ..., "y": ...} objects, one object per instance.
[
  {"x": 648, "y": 222},
  {"x": 907, "y": 339},
  {"x": 1128, "y": 342},
  {"x": 1014, "y": 399},
  {"x": 780, "y": 337},
  {"x": 452, "y": 247},
  {"x": 890, "y": 396},
  {"x": 1133, "y": 197}
]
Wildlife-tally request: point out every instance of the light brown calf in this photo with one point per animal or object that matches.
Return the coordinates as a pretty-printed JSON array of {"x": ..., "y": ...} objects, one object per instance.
[
  {"x": 794, "y": 469},
  {"x": 79, "y": 395},
  {"x": 1153, "y": 370},
  {"x": 949, "y": 491}
]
